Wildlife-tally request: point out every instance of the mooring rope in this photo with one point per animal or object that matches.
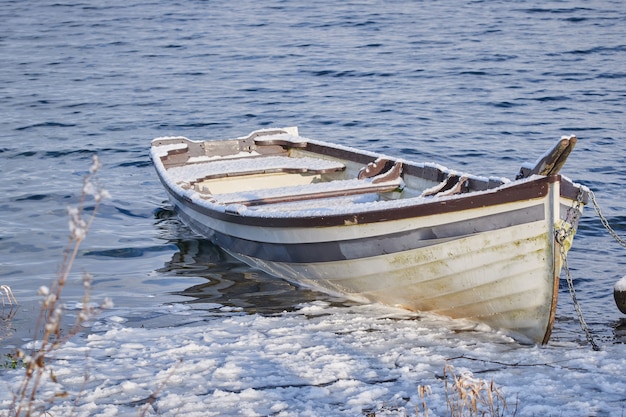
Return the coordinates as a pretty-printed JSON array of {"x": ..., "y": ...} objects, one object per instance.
[{"x": 562, "y": 234}]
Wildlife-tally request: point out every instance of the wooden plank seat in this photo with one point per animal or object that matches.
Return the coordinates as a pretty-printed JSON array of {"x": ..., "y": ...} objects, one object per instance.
[
  {"x": 202, "y": 171},
  {"x": 339, "y": 188},
  {"x": 384, "y": 183},
  {"x": 452, "y": 184}
]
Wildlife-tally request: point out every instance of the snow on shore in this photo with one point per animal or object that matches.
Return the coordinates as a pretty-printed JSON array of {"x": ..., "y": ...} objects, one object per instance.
[{"x": 318, "y": 361}]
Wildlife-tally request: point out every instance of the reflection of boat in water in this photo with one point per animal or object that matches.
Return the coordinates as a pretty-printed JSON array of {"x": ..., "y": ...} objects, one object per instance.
[
  {"x": 619, "y": 331},
  {"x": 233, "y": 284}
]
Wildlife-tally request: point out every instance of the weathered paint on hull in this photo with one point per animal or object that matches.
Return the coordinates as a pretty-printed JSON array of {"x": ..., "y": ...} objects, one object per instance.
[{"x": 503, "y": 279}]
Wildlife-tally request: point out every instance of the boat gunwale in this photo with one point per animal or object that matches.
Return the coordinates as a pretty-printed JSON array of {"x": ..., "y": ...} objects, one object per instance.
[
  {"x": 528, "y": 190},
  {"x": 486, "y": 191}
]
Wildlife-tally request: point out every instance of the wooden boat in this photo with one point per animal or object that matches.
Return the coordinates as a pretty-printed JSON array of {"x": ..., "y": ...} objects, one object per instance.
[{"x": 380, "y": 229}]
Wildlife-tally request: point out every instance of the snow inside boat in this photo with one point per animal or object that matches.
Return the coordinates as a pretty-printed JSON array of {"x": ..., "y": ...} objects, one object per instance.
[{"x": 380, "y": 229}]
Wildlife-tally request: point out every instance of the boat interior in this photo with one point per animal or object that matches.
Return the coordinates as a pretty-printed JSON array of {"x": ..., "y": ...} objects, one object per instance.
[{"x": 275, "y": 168}]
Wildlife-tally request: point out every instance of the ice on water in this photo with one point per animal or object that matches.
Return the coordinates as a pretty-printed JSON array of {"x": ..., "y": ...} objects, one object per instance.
[{"x": 319, "y": 360}]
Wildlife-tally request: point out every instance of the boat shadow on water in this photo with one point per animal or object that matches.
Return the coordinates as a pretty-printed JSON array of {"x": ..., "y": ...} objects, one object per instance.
[{"x": 230, "y": 285}]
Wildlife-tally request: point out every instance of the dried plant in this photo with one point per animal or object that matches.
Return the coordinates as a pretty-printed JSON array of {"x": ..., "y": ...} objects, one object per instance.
[
  {"x": 8, "y": 299},
  {"x": 49, "y": 321},
  {"x": 470, "y": 396},
  {"x": 5, "y": 292},
  {"x": 423, "y": 391},
  {"x": 466, "y": 396}
]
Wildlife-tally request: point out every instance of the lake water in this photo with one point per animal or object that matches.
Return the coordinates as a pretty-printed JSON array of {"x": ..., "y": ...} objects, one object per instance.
[{"x": 481, "y": 86}]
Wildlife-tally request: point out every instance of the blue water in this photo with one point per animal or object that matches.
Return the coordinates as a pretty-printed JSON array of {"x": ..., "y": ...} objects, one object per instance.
[{"x": 481, "y": 86}]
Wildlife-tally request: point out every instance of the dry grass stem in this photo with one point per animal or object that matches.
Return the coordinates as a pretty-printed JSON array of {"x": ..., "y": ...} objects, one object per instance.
[
  {"x": 6, "y": 293},
  {"x": 49, "y": 320},
  {"x": 470, "y": 396},
  {"x": 153, "y": 397},
  {"x": 7, "y": 297},
  {"x": 423, "y": 391}
]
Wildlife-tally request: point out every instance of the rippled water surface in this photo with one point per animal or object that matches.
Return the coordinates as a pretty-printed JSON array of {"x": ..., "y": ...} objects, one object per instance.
[{"x": 473, "y": 85}]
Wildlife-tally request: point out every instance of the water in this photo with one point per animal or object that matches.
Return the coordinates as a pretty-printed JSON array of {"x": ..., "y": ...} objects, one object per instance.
[{"x": 473, "y": 85}]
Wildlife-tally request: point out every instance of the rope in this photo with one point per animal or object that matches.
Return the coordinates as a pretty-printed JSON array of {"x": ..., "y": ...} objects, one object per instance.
[{"x": 562, "y": 234}]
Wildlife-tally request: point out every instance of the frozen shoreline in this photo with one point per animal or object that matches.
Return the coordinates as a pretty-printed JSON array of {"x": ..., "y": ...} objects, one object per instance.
[{"x": 320, "y": 360}]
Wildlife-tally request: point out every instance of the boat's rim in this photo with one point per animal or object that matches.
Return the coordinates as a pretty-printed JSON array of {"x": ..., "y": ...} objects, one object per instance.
[
  {"x": 530, "y": 189},
  {"x": 533, "y": 187}
]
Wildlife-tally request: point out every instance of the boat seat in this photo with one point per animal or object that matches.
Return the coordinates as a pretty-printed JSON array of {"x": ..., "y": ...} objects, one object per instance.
[
  {"x": 453, "y": 184},
  {"x": 374, "y": 168},
  {"x": 386, "y": 182},
  {"x": 198, "y": 172},
  {"x": 341, "y": 188}
]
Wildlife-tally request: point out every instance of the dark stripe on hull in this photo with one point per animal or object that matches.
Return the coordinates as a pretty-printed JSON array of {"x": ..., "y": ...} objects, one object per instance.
[{"x": 369, "y": 246}]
